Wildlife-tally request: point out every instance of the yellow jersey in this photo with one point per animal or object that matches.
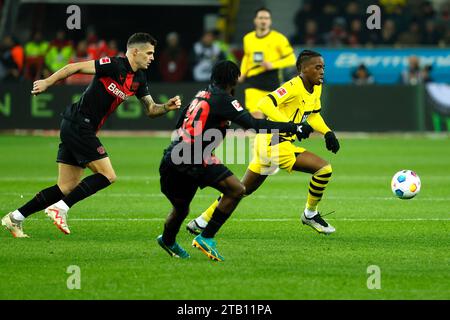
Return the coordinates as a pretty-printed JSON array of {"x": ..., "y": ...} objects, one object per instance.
[
  {"x": 274, "y": 48},
  {"x": 292, "y": 102}
]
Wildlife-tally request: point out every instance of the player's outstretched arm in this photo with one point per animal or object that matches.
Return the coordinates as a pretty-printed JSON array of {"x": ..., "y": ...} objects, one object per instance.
[
  {"x": 246, "y": 121},
  {"x": 87, "y": 67},
  {"x": 154, "y": 110}
]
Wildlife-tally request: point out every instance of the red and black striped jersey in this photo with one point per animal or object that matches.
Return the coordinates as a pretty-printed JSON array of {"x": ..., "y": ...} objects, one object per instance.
[{"x": 114, "y": 82}]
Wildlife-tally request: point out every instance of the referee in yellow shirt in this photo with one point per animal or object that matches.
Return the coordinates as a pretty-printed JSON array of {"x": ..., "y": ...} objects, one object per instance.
[
  {"x": 266, "y": 52},
  {"x": 297, "y": 100}
]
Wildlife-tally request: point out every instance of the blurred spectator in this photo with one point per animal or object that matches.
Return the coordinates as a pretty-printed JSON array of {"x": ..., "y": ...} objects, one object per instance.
[
  {"x": 303, "y": 15},
  {"x": 338, "y": 35},
  {"x": 430, "y": 36},
  {"x": 445, "y": 40},
  {"x": 388, "y": 34},
  {"x": 37, "y": 46},
  {"x": 391, "y": 6},
  {"x": 411, "y": 37},
  {"x": 11, "y": 59},
  {"x": 35, "y": 51},
  {"x": 223, "y": 45},
  {"x": 356, "y": 35},
  {"x": 58, "y": 54},
  {"x": 81, "y": 54},
  {"x": 398, "y": 12},
  {"x": 112, "y": 49},
  {"x": 362, "y": 76},
  {"x": 96, "y": 48},
  {"x": 412, "y": 75},
  {"x": 353, "y": 11},
  {"x": 204, "y": 55},
  {"x": 173, "y": 61},
  {"x": 426, "y": 12},
  {"x": 310, "y": 36},
  {"x": 426, "y": 74},
  {"x": 327, "y": 18}
]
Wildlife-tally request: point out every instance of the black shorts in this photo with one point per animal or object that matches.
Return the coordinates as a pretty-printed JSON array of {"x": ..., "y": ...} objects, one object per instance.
[
  {"x": 79, "y": 144},
  {"x": 180, "y": 182}
]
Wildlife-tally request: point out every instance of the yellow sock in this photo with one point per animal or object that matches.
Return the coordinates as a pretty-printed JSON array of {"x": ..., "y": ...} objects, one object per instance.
[
  {"x": 317, "y": 185},
  {"x": 207, "y": 214}
]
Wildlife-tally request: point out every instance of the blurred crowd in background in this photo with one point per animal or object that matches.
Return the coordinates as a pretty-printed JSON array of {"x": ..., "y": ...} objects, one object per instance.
[
  {"x": 342, "y": 23},
  {"x": 40, "y": 57},
  {"x": 322, "y": 23}
]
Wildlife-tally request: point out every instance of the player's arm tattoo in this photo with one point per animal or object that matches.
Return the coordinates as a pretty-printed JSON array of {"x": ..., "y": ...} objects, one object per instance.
[{"x": 153, "y": 109}]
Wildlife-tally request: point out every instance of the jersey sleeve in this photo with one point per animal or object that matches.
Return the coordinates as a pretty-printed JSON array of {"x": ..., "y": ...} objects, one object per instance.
[
  {"x": 267, "y": 106},
  {"x": 283, "y": 94},
  {"x": 247, "y": 121},
  {"x": 234, "y": 111},
  {"x": 143, "y": 90},
  {"x": 230, "y": 109},
  {"x": 316, "y": 121},
  {"x": 106, "y": 67},
  {"x": 287, "y": 55}
]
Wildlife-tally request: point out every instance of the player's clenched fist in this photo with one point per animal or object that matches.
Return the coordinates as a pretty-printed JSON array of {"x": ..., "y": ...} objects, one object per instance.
[
  {"x": 39, "y": 86},
  {"x": 173, "y": 103}
]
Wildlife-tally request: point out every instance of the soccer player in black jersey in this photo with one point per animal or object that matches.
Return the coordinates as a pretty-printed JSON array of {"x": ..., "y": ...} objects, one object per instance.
[
  {"x": 116, "y": 79},
  {"x": 188, "y": 163}
]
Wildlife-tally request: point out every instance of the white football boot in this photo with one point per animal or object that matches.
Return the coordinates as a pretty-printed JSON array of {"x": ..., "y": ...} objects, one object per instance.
[
  {"x": 14, "y": 226},
  {"x": 318, "y": 224},
  {"x": 59, "y": 217}
]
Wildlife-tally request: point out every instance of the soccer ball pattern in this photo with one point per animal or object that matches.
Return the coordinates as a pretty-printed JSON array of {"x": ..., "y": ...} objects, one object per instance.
[{"x": 405, "y": 184}]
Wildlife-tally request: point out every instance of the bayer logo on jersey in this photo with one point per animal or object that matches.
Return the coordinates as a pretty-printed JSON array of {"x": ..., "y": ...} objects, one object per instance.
[{"x": 405, "y": 184}]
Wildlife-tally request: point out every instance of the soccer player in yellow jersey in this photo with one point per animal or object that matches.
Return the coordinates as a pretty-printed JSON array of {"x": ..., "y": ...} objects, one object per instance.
[
  {"x": 297, "y": 100},
  {"x": 266, "y": 51}
]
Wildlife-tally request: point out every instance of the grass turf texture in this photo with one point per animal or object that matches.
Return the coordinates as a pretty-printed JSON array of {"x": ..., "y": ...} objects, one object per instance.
[{"x": 269, "y": 254}]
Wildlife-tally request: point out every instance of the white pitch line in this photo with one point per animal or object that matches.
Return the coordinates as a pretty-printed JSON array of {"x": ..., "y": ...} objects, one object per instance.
[
  {"x": 289, "y": 178},
  {"x": 261, "y": 219},
  {"x": 256, "y": 196}
]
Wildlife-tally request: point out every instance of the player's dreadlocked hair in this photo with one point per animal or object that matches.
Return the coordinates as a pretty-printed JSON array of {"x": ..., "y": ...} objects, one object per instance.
[
  {"x": 141, "y": 37},
  {"x": 225, "y": 73},
  {"x": 304, "y": 56}
]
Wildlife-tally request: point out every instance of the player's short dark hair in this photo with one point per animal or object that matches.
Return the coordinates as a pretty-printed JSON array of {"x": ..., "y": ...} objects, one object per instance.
[
  {"x": 141, "y": 37},
  {"x": 225, "y": 73},
  {"x": 304, "y": 56},
  {"x": 262, "y": 9}
]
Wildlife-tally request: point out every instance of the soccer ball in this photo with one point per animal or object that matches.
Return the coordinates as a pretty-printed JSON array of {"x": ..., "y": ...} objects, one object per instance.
[{"x": 405, "y": 184}]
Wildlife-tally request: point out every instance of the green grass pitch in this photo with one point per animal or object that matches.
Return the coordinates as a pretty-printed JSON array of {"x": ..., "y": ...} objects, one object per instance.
[{"x": 269, "y": 254}]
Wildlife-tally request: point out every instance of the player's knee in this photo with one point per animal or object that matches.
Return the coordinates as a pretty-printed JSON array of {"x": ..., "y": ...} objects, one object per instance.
[
  {"x": 239, "y": 192},
  {"x": 325, "y": 170},
  {"x": 180, "y": 207},
  {"x": 111, "y": 177},
  {"x": 67, "y": 187}
]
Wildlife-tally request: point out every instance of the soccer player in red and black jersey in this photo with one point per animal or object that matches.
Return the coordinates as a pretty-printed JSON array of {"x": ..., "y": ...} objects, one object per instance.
[
  {"x": 116, "y": 79},
  {"x": 188, "y": 163}
]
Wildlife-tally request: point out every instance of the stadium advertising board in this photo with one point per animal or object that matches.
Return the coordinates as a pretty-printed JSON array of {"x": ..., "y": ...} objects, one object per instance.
[{"x": 386, "y": 65}]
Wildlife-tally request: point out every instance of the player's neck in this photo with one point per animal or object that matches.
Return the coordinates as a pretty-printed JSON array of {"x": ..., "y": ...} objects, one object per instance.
[
  {"x": 132, "y": 63},
  {"x": 260, "y": 33},
  {"x": 308, "y": 85}
]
